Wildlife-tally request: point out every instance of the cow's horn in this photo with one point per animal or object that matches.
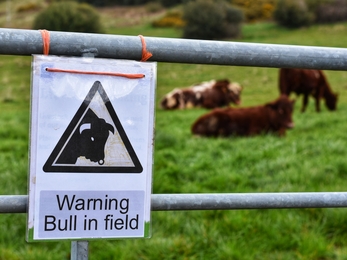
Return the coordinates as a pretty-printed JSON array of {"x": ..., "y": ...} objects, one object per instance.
[
  {"x": 110, "y": 128},
  {"x": 85, "y": 126}
]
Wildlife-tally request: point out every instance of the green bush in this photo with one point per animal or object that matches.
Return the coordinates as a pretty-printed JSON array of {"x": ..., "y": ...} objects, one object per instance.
[
  {"x": 292, "y": 13},
  {"x": 209, "y": 20},
  {"x": 70, "y": 17}
]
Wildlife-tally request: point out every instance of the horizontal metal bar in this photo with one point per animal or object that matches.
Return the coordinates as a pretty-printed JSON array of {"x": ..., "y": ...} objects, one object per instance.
[
  {"x": 217, "y": 201},
  {"x": 13, "y": 203},
  {"x": 27, "y": 42},
  {"x": 249, "y": 201}
]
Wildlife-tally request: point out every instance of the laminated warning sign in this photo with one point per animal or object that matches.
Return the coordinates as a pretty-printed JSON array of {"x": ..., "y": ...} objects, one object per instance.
[{"x": 91, "y": 148}]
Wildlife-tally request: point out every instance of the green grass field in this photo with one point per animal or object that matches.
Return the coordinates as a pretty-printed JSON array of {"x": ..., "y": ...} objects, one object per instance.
[{"x": 311, "y": 157}]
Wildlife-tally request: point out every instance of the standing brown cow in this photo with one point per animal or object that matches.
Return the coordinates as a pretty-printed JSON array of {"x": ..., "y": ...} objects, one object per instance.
[
  {"x": 307, "y": 82},
  {"x": 275, "y": 116}
]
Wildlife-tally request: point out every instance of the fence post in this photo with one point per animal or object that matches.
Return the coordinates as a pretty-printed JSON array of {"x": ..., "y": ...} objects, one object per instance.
[{"x": 79, "y": 250}]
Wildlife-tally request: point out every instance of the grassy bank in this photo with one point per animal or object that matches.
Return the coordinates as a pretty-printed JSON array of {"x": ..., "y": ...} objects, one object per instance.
[{"x": 312, "y": 157}]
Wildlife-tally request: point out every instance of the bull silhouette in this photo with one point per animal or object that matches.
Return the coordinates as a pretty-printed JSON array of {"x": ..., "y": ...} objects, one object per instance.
[{"x": 88, "y": 140}]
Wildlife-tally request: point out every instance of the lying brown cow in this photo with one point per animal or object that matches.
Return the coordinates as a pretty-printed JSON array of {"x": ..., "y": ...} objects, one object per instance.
[
  {"x": 274, "y": 117},
  {"x": 307, "y": 82},
  {"x": 209, "y": 94}
]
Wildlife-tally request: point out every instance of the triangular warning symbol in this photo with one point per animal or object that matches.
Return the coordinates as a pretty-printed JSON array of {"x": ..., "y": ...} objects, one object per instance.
[{"x": 94, "y": 141}]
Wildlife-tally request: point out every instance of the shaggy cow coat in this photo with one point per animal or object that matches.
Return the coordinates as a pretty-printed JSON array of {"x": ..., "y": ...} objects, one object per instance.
[
  {"x": 307, "y": 82},
  {"x": 275, "y": 117}
]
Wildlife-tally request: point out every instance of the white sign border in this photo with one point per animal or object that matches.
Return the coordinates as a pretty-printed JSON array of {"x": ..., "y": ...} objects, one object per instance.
[{"x": 151, "y": 67}]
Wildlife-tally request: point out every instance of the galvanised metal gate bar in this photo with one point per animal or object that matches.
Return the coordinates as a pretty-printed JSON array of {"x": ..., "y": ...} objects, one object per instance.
[
  {"x": 27, "y": 42},
  {"x": 217, "y": 201}
]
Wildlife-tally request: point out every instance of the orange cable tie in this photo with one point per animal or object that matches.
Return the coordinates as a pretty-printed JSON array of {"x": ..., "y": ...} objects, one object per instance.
[
  {"x": 129, "y": 76},
  {"x": 46, "y": 41},
  {"x": 145, "y": 53}
]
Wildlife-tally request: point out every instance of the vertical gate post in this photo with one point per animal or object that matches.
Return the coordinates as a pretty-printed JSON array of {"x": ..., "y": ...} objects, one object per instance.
[{"x": 79, "y": 250}]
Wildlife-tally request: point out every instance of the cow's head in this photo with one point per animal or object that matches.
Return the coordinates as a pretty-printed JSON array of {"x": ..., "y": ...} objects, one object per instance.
[
  {"x": 331, "y": 101},
  {"x": 231, "y": 90},
  {"x": 171, "y": 100},
  {"x": 283, "y": 110},
  {"x": 93, "y": 133},
  {"x": 235, "y": 93}
]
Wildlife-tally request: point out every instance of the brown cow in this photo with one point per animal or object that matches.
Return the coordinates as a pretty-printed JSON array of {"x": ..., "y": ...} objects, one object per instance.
[
  {"x": 275, "y": 117},
  {"x": 307, "y": 82},
  {"x": 209, "y": 94}
]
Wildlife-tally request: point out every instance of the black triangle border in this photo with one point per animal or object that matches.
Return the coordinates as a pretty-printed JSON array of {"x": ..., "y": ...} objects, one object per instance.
[{"x": 137, "y": 168}]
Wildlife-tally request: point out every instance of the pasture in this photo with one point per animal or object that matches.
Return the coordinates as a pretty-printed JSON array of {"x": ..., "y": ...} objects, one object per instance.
[{"x": 311, "y": 157}]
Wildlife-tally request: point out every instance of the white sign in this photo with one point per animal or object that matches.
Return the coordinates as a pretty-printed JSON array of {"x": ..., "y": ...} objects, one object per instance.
[{"x": 91, "y": 148}]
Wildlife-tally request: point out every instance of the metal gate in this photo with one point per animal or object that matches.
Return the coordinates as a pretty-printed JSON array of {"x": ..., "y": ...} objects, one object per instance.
[{"x": 28, "y": 42}]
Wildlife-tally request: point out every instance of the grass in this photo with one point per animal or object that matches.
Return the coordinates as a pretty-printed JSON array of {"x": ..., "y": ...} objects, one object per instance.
[{"x": 311, "y": 157}]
